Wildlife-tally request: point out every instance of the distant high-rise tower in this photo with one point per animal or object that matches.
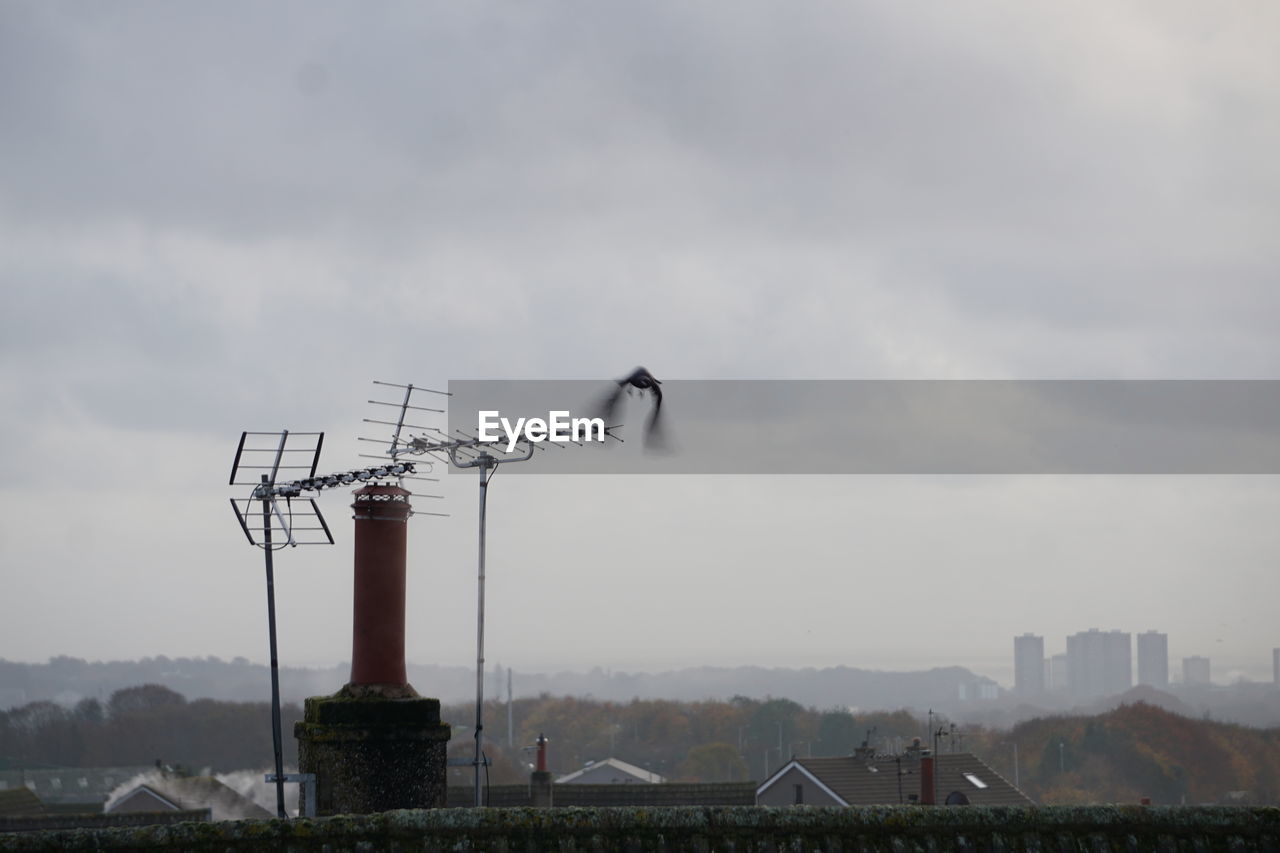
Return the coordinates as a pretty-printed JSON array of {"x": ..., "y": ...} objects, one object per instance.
[
  {"x": 1099, "y": 663},
  {"x": 1275, "y": 665},
  {"x": 1195, "y": 671},
  {"x": 1058, "y": 677},
  {"x": 1028, "y": 665},
  {"x": 1153, "y": 659}
]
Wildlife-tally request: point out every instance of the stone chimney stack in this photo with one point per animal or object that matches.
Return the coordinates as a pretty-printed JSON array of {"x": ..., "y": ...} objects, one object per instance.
[{"x": 376, "y": 745}]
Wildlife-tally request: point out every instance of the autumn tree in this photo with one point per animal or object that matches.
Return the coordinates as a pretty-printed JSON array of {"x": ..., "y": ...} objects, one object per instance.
[{"x": 713, "y": 762}]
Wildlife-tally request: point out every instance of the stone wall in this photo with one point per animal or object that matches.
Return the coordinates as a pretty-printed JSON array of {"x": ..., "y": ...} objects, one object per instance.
[
  {"x": 47, "y": 822},
  {"x": 799, "y": 829}
]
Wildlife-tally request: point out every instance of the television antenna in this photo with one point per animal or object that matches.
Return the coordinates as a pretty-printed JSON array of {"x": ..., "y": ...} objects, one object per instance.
[
  {"x": 461, "y": 450},
  {"x": 260, "y": 459}
]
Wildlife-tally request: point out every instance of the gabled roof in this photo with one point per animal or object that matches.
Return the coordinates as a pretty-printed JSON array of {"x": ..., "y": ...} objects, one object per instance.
[
  {"x": 638, "y": 773},
  {"x": 145, "y": 798},
  {"x": 200, "y": 792},
  {"x": 889, "y": 779}
]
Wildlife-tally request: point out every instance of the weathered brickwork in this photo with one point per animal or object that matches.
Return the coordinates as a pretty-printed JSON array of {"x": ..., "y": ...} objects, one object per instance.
[{"x": 373, "y": 754}]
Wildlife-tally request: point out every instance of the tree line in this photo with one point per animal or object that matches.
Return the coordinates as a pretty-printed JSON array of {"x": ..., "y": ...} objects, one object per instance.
[
  {"x": 1133, "y": 752},
  {"x": 710, "y": 741},
  {"x": 1123, "y": 755},
  {"x": 139, "y": 725}
]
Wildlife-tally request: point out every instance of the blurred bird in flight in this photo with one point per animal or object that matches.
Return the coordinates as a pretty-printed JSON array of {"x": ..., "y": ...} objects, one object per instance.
[{"x": 639, "y": 381}]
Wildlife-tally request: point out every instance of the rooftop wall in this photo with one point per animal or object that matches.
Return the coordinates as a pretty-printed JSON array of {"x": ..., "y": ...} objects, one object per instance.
[
  {"x": 46, "y": 822},
  {"x": 802, "y": 829}
]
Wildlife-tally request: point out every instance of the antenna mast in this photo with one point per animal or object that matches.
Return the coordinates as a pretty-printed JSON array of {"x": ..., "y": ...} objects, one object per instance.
[
  {"x": 461, "y": 450},
  {"x": 265, "y": 455},
  {"x": 464, "y": 451}
]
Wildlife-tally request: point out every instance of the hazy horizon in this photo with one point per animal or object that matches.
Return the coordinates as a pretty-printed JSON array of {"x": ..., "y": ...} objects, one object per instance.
[{"x": 1225, "y": 673}]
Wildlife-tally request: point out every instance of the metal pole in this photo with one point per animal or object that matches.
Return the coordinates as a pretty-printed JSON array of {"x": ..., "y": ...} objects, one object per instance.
[
  {"x": 1015, "y": 767},
  {"x": 485, "y": 462},
  {"x": 275, "y": 661}
]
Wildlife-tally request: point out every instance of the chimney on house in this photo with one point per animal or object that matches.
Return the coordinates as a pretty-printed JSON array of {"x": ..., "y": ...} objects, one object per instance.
[
  {"x": 542, "y": 754},
  {"x": 376, "y": 745},
  {"x": 540, "y": 781},
  {"x": 926, "y": 779},
  {"x": 377, "y": 633}
]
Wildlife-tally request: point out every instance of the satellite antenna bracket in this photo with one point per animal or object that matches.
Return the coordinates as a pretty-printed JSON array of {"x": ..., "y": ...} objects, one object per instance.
[{"x": 260, "y": 459}]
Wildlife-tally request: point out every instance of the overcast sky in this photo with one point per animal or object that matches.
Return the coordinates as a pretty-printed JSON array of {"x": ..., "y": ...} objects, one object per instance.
[{"x": 227, "y": 216}]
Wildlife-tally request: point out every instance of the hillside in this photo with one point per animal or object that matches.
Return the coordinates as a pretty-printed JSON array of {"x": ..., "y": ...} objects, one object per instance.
[
  {"x": 67, "y": 680},
  {"x": 1134, "y": 751}
]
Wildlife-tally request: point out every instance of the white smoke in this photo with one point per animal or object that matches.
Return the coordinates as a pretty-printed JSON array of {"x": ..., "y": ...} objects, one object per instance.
[
  {"x": 252, "y": 784},
  {"x": 117, "y": 793}
]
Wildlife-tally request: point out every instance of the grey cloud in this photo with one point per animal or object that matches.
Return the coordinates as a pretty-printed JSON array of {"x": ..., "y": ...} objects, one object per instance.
[
  {"x": 224, "y": 216},
  {"x": 846, "y": 117}
]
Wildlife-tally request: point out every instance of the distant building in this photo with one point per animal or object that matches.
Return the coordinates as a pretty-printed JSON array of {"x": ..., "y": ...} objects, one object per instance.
[
  {"x": 1195, "y": 671},
  {"x": 610, "y": 771},
  {"x": 1153, "y": 659},
  {"x": 1058, "y": 679},
  {"x": 1028, "y": 665},
  {"x": 1275, "y": 665},
  {"x": 980, "y": 689},
  {"x": 189, "y": 793},
  {"x": 605, "y": 796},
  {"x": 1099, "y": 663},
  {"x": 72, "y": 789},
  {"x": 960, "y": 778}
]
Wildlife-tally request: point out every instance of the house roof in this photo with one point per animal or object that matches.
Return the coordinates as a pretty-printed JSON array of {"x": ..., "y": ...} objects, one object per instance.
[
  {"x": 20, "y": 801},
  {"x": 597, "y": 796},
  {"x": 202, "y": 792},
  {"x": 639, "y": 773},
  {"x": 893, "y": 779},
  {"x": 144, "y": 798},
  {"x": 72, "y": 785}
]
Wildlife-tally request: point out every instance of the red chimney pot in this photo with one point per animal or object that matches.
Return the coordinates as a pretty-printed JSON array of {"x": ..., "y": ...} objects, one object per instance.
[
  {"x": 926, "y": 781},
  {"x": 381, "y": 544}
]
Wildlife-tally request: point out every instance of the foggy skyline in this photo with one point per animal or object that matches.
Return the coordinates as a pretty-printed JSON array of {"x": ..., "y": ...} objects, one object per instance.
[{"x": 225, "y": 217}]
